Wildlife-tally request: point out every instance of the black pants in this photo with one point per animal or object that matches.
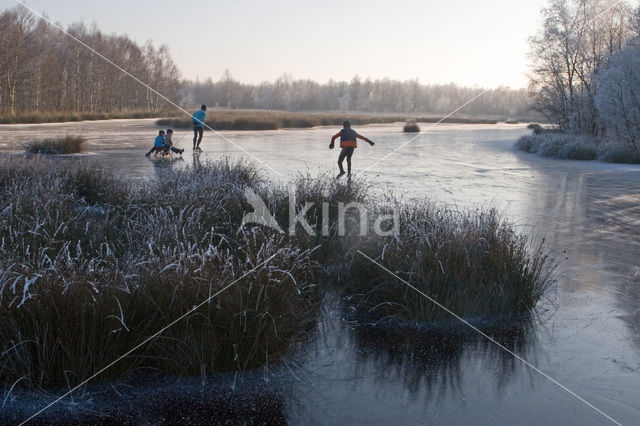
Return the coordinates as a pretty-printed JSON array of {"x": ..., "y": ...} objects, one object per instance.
[
  {"x": 198, "y": 132},
  {"x": 345, "y": 153}
]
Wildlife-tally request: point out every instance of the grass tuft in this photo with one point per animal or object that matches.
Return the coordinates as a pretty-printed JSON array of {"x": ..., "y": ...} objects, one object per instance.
[
  {"x": 57, "y": 146},
  {"x": 472, "y": 262},
  {"x": 411, "y": 127},
  {"x": 90, "y": 265}
]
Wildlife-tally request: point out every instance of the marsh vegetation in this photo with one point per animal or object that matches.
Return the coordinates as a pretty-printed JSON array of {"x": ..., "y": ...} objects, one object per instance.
[
  {"x": 273, "y": 120},
  {"x": 92, "y": 263},
  {"x": 569, "y": 146},
  {"x": 57, "y": 146},
  {"x": 411, "y": 127},
  {"x": 472, "y": 262}
]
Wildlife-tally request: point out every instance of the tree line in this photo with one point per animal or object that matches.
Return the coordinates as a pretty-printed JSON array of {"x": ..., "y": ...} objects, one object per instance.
[
  {"x": 586, "y": 68},
  {"x": 43, "y": 70},
  {"x": 366, "y": 95}
]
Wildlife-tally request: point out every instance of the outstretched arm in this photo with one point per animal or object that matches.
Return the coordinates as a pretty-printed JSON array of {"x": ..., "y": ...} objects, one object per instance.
[
  {"x": 365, "y": 139},
  {"x": 336, "y": 136}
]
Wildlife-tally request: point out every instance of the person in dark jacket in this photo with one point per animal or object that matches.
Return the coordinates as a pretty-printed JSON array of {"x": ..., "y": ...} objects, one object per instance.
[{"x": 348, "y": 143}]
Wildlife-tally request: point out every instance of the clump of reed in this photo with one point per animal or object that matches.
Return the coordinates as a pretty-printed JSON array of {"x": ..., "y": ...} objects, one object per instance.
[
  {"x": 323, "y": 195},
  {"x": 57, "y": 146},
  {"x": 90, "y": 265},
  {"x": 411, "y": 127},
  {"x": 472, "y": 262}
]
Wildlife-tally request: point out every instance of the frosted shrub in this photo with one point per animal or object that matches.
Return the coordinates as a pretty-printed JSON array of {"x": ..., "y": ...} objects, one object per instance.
[
  {"x": 528, "y": 144},
  {"x": 551, "y": 146},
  {"x": 618, "y": 152},
  {"x": 560, "y": 145}
]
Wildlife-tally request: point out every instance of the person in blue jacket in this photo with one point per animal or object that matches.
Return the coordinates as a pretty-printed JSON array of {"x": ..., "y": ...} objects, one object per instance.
[
  {"x": 158, "y": 144},
  {"x": 197, "y": 119}
]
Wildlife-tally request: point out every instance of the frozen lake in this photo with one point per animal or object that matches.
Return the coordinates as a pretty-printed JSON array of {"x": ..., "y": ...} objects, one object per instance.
[{"x": 586, "y": 336}]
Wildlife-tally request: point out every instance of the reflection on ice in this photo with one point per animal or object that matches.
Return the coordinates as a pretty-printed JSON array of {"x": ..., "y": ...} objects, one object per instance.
[
  {"x": 629, "y": 300},
  {"x": 432, "y": 360}
]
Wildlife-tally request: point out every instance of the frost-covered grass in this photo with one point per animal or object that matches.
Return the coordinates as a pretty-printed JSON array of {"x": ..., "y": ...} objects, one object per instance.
[
  {"x": 57, "y": 146},
  {"x": 323, "y": 191},
  {"x": 560, "y": 145},
  {"x": 472, "y": 262},
  {"x": 618, "y": 152},
  {"x": 576, "y": 147},
  {"x": 90, "y": 265}
]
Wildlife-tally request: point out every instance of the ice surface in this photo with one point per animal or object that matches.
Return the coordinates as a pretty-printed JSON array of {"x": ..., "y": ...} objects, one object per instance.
[{"x": 586, "y": 336}]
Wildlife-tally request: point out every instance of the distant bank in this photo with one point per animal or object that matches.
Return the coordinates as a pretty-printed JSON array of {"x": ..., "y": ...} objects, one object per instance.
[
  {"x": 274, "y": 119},
  {"x": 224, "y": 119},
  {"x": 63, "y": 117}
]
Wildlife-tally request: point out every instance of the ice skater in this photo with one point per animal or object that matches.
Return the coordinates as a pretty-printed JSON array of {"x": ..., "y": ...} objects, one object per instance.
[
  {"x": 158, "y": 144},
  {"x": 348, "y": 143},
  {"x": 197, "y": 119}
]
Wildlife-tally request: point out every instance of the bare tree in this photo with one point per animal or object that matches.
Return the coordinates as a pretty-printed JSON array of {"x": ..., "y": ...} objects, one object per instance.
[
  {"x": 42, "y": 70},
  {"x": 16, "y": 27},
  {"x": 576, "y": 39}
]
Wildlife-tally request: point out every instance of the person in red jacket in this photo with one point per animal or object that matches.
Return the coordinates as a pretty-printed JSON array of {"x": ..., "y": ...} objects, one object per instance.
[{"x": 348, "y": 143}]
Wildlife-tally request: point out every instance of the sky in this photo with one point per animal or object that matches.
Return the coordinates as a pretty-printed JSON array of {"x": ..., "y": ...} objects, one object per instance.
[{"x": 468, "y": 42}]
